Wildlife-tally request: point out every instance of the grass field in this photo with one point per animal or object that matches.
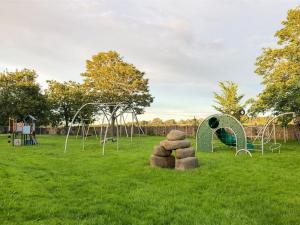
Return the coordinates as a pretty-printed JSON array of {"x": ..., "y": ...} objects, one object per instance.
[{"x": 42, "y": 185}]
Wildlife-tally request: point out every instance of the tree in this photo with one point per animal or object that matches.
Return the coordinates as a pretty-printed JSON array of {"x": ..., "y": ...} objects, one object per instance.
[
  {"x": 65, "y": 99},
  {"x": 170, "y": 122},
  {"x": 157, "y": 122},
  {"x": 20, "y": 95},
  {"x": 280, "y": 70},
  {"x": 229, "y": 101},
  {"x": 144, "y": 123},
  {"x": 109, "y": 79}
]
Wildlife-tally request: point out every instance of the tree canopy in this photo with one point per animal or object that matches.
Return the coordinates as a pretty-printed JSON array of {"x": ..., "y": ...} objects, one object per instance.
[
  {"x": 21, "y": 95},
  {"x": 109, "y": 79},
  {"x": 228, "y": 100},
  {"x": 65, "y": 99},
  {"x": 279, "y": 68}
]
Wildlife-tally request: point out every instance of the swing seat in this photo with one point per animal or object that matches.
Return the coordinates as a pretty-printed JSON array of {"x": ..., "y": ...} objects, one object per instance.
[{"x": 112, "y": 139}]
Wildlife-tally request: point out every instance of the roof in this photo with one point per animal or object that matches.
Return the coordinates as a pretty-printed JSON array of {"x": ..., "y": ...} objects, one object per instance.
[{"x": 30, "y": 117}]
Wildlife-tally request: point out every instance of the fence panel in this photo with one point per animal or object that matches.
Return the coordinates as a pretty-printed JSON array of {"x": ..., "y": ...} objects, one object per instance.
[{"x": 190, "y": 130}]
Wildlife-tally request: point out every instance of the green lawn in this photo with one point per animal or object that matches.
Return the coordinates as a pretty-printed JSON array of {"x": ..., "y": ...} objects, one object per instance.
[{"x": 42, "y": 185}]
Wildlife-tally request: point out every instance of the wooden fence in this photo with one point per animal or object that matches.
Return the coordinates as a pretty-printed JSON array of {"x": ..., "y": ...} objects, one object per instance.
[{"x": 291, "y": 132}]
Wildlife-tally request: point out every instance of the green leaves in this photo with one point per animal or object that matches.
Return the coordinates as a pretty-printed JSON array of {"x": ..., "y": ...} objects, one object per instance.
[
  {"x": 228, "y": 101},
  {"x": 21, "y": 95},
  {"x": 65, "y": 99},
  {"x": 280, "y": 70},
  {"x": 109, "y": 79}
]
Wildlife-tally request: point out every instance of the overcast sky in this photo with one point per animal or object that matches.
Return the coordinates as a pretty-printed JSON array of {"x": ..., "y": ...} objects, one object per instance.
[{"x": 185, "y": 47}]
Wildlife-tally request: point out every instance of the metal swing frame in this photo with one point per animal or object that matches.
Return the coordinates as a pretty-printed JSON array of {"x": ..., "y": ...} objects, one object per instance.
[{"x": 119, "y": 109}]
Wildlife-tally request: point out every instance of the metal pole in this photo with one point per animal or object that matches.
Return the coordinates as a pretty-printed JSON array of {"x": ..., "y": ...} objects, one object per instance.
[
  {"x": 95, "y": 132},
  {"x": 125, "y": 127},
  {"x": 78, "y": 130},
  {"x": 274, "y": 134},
  {"x": 138, "y": 124},
  {"x": 87, "y": 133},
  {"x": 104, "y": 140},
  {"x": 131, "y": 127},
  {"x": 101, "y": 129},
  {"x": 268, "y": 123},
  {"x": 83, "y": 133},
  {"x": 120, "y": 124},
  {"x": 101, "y": 107},
  {"x": 117, "y": 134}
]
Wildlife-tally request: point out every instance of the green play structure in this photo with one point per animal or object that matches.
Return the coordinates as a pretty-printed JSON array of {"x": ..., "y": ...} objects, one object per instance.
[
  {"x": 229, "y": 139},
  {"x": 222, "y": 125}
]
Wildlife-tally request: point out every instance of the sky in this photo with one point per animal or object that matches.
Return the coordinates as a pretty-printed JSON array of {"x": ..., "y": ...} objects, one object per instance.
[{"x": 185, "y": 47}]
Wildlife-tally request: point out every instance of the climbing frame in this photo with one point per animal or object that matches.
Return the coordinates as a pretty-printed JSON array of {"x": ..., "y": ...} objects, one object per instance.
[{"x": 211, "y": 124}]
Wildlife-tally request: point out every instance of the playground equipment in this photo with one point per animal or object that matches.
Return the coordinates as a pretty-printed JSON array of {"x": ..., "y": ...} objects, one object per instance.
[
  {"x": 84, "y": 128},
  {"x": 22, "y": 132},
  {"x": 267, "y": 135},
  {"x": 297, "y": 130},
  {"x": 117, "y": 111},
  {"x": 220, "y": 124},
  {"x": 231, "y": 132},
  {"x": 275, "y": 145}
]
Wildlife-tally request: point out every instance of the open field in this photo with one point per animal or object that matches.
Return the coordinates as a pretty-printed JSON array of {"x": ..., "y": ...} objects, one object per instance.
[{"x": 42, "y": 185}]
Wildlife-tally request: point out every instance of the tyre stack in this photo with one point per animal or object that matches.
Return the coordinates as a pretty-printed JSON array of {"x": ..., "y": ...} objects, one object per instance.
[{"x": 185, "y": 155}]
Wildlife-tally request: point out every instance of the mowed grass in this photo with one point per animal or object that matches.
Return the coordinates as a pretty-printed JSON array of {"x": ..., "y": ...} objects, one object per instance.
[{"x": 42, "y": 185}]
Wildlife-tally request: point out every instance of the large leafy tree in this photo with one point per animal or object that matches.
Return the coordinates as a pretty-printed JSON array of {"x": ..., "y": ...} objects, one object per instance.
[
  {"x": 279, "y": 68},
  {"x": 65, "y": 99},
  {"x": 20, "y": 95},
  {"x": 109, "y": 79},
  {"x": 228, "y": 100},
  {"x": 157, "y": 122},
  {"x": 170, "y": 122}
]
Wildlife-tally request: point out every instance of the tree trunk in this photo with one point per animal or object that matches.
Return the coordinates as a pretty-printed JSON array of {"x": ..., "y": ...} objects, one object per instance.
[
  {"x": 113, "y": 121},
  {"x": 66, "y": 121},
  {"x": 66, "y": 125}
]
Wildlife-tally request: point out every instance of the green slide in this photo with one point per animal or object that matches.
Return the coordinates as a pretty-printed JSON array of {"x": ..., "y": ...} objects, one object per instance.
[{"x": 229, "y": 139}]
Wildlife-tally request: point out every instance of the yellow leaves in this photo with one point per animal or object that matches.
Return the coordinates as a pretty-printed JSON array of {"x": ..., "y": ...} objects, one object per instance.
[
  {"x": 60, "y": 92},
  {"x": 290, "y": 33},
  {"x": 111, "y": 78},
  {"x": 24, "y": 77}
]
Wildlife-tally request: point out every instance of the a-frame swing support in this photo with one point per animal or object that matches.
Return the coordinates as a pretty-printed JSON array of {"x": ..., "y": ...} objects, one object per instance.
[{"x": 121, "y": 107}]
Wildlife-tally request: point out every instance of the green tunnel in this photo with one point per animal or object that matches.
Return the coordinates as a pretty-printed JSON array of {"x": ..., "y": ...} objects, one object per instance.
[{"x": 217, "y": 124}]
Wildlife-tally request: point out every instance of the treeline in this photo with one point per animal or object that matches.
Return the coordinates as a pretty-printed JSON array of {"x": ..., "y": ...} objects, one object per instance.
[
  {"x": 107, "y": 79},
  {"x": 246, "y": 120},
  {"x": 171, "y": 122}
]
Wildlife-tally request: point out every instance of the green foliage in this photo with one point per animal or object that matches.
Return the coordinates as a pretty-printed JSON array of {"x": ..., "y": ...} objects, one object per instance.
[
  {"x": 20, "y": 94},
  {"x": 190, "y": 122},
  {"x": 65, "y": 99},
  {"x": 254, "y": 121},
  {"x": 280, "y": 70},
  {"x": 229, "y": 101},
  {"x": 109, "y": 79},
  {"x": 42, "y": 185},
  {"x": 156, "y": 122},
  {"x": 170, "y": 122}
]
